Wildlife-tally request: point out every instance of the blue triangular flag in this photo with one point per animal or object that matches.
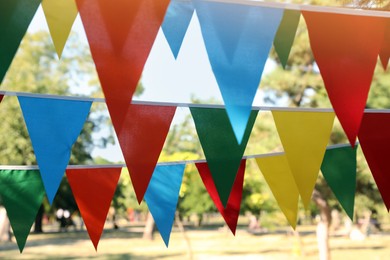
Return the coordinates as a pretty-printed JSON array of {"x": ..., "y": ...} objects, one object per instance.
[
  {"x": 238, "y": 39},
  {"x": 53, "y": 126},
  {"x": 162, "y": 196},
  {"x": 176, "y": 21}
]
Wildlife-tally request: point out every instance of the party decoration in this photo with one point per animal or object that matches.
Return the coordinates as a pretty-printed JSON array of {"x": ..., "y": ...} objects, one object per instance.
[
  {"x": 93, "y": 190},
  {"x": 384, "y": 53},
  {"x": 232, "y": 210},
  {"x": 15, "y": 17},
  {"x": 374, "y": 139},
  {"x": 277, "y": 173},
  {"x": 22, "y": 194},
  {"x": 285, "y": 35},
  {"x": 346, "y": 58},
  {"x": 141, "y": 139},
  {"x": 1, "y": 98},
  {"x": 53, "y": 126},
  {"x": 238, "y": 39},
  {"x": 60, "y": 16},
  {"x": 222, "y": 152},
  {"x": 162, "y": 196},
  {"x": 120, "y": 35},
  {"x": 339, "y": 170},
  {"x": 304, "y": 136},
  {"x": 176, "y": 21}
]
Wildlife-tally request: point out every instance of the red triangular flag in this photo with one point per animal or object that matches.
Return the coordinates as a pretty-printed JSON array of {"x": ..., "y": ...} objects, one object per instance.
[
  {"x": 93, "y": 190},
  {"x": 232, "y": 210},
  {"x": 384, "y": 54},
  {"x": 1, "y": 98},
  {"x": 375, "y": 141},
  {"x": 346, "y": 49},
  {"x": 141, "y": 139},
  {"x": 121, "y": 34}
]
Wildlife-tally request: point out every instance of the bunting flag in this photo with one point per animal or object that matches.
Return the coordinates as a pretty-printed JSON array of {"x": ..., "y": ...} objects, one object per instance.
[
  {"x": 176, "y": 22},
  {"x": 346, "y": 58},
  {"x": 1, "y": 98},
  {"x": 22, "y": 194},
  {"x": 15, "y": 17},
  {"x": 60, "y": 16},
  {"x": 304, "y": 136},
  {"x": 285, "y": 35},
  {"x": 162, "y": 196},
  {"x": 238, "y": 39},
  {"x": 375, "y": 139},
  {"x": 93, "y": 190},
  {"x": 231, "y": 212},
  {"x": 339, "y": 170},
  {"x": 120, "y": 35},
  {"x": 384, "y": 53},
  {"x": 277, "y": 174},
  {"x": 53, "y": 126},
  {"x": 222, "y": 152},
  {"x": 141, "y": 139}
]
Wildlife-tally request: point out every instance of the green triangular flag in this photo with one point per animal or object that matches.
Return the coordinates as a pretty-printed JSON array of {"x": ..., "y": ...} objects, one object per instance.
[
  {"x": 15, "y": 17},
  {"x": 22, "y": 194},
  {"x": 285, "y": 35},
  {"x": 339, "y": 170},
  {"x": 219, "y": 143}
]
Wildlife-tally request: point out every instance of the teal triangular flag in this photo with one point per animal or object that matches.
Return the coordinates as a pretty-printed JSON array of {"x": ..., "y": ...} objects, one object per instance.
[
  {"x": 22, "y": 194},
  {"x": 53, "y": 126},
  {"x": 238, "y": 39},
  {"x": 176, "y": 21},
  {"x": 339, "y": 170},
  {"x": 162, "y": 196},
  {"x": 223, "y": 153},
  {"x": 15, "y": 17}
]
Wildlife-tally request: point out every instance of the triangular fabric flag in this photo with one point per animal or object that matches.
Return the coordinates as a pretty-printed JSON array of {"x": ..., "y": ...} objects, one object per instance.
[
  {"x": 162, "y": 196},
  {"x": 93, "y": 190},
  {"x": 176, "y": 23},
  {"x": 60, "y": 16},
  {"x": 53, "y": 126},
  {"x": 285, "y": 35},
  {"x": 22, "y": 194},
  {"x": 384, "y": 53},
  {"x": 238, "y": 39},
  {"x": 120, "y": 35},
  {"x": 141, "y": 139},
  {"x": 220, "y": 147},
  {"x": 277, "y": 174},
  {"x": 339, "y": 170},
  {"x": 1, "y": 98},
  {"x": 15, "y": 17},
  {"x": 375, "y": 141},
  {"x": 231, "y": 212},
  {"x": 304, "y": 136},
  {"x": 346, "y": 57}
]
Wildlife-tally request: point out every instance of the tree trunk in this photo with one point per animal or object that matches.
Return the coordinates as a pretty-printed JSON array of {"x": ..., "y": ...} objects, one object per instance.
[
  {"x": 38, "y": 221},
  {"x": 149, "y": 227},
  {"x": 186, "y": 238},
  {"x": 323, "y": 226},
  {"x": 5, "y": 227}
]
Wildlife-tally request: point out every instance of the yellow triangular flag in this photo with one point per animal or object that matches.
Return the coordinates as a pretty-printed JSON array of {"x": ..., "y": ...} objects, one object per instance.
[
  {"x": 304, "y": 136},
  {"x": 277, "y": 174},
  {"x": 60, "y": 16}
]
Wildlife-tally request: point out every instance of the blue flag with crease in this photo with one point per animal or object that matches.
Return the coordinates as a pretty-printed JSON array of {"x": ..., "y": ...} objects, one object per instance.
[
  {"x": 238, "y": 39},
  {"x": 53, "y": 126},
  {"x": 176, "y": 21},
  {"x": 162, "y": 196}
]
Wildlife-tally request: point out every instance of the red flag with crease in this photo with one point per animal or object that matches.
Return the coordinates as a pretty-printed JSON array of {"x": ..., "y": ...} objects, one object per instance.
[{"x": 384, "y": 54}]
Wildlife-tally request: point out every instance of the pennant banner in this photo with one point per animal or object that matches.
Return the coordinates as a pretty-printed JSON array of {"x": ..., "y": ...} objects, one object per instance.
[
  {"x": 384, "y": 53},
  {"x": 93, "y": 190},
  {"x": 339, "y": 170},
  {"x": 176, "y": 23},
  {"x": 222, "y": 152},
  {"x": 60, "y": 16},
  {"x": 53, "y": 126},
  {"x": 162, "y": 196},
  {"x": 22, "y": 194},
  {"x": 346, "y": 58},
  {"x": 1, "y": 98},
  {"x": 238, "y": 39},
  {"x": 231, "y": 212},
  {"x": 277, "y": 174},
  {"x": 304, "y": 136},
  {"x": 15, "y": 17},
  {"x": 375, "y": 139}
]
